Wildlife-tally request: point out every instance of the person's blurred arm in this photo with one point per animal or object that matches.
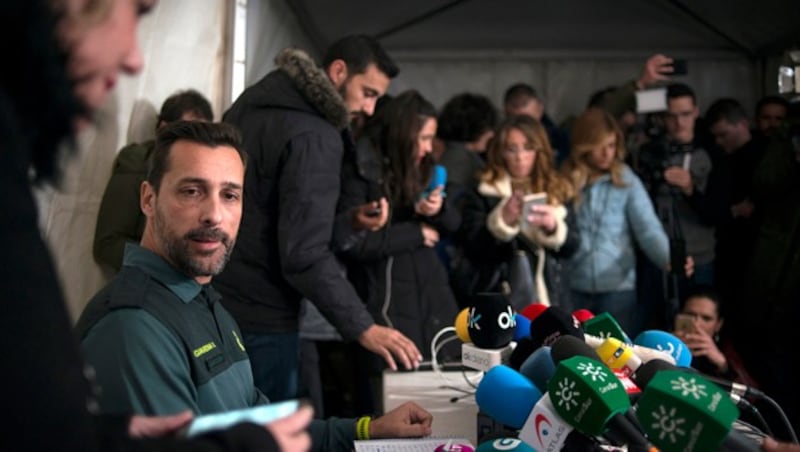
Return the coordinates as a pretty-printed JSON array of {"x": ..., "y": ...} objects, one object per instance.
[
  {"x": 646, "y": 227},
  {"x": 128, "y": 434},
  {"x": 389, "y": 241},
  {"x": 573, "y": 239},
  {"x": 770, "y": 445},
  {"x": 623, "y": 99},
  {"x": 308, "y": 191}
]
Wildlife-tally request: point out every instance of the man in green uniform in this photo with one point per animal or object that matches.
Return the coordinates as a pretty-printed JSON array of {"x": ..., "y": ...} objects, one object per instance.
[{"x": 158, "y": 337}]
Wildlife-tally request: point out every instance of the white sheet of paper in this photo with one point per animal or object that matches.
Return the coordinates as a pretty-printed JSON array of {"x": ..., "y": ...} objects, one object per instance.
[
  {"x": 651, "y": 100},
  {"x": 410, "y": 445}
]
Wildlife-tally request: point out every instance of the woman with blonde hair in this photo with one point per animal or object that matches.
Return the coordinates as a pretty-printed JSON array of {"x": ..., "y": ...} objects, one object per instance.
[
  {"x": 614, "y": 213},
  {"x": 497, "y": 223}
]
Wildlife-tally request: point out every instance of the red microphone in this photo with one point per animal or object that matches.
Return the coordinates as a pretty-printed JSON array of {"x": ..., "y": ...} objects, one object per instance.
[
  {"x": 582, "y": 315},
  {"x": 532, "y": 311}
]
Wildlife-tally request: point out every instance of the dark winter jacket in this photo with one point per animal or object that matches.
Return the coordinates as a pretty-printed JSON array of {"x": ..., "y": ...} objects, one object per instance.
[
  {"x": 678, "y": 215},
  {"x": 403, "y": 282},
  {"x": 488, "y": 244},
  {"x": 292, "y": 122}
]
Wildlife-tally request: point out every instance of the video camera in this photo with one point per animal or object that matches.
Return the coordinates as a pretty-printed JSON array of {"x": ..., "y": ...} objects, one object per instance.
[{"x": 655, "y": 157}]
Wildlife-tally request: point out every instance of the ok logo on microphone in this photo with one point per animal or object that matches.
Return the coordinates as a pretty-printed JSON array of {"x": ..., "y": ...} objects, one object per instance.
[
  {"x": 473, "y": 319},
  {"x": 506, "y": 319}
]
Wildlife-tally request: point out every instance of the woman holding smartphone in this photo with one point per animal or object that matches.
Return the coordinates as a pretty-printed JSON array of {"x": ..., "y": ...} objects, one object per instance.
[
  {"x": 396, "y": 269},
  {"x": 498, "y": 222},
  {"x": 698, "y": 325}
]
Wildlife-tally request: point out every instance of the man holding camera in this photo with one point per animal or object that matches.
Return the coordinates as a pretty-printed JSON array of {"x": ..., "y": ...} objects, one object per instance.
[{"x": 675, "y": 168}]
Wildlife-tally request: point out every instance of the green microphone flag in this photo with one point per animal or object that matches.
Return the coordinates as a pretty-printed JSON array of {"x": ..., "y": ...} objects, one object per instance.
[
  {"x": 603, "y": 325},
  {"x": 680, "y": 411},
  {"x": 586, "y": 394}
]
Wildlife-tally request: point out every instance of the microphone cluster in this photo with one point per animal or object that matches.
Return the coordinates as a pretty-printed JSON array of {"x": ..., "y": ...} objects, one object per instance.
[{"x": 573, "y": 384}]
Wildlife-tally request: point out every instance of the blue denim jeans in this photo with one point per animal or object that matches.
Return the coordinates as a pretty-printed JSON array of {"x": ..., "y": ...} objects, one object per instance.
[
  {"x": 275, "y": 359},
  {"x": 621, "y": 305}
]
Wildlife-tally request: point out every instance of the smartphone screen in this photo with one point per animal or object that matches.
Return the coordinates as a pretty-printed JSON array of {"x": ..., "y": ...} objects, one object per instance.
[
  {"x": 531, "y": 200},
  {"x": 684, "y": 323},
  {"x": 438, "y": 179},
  {"x": 679, "y": 67},
  {"x": 376, "y": 212},
  {"x": 259, "y": 415}
]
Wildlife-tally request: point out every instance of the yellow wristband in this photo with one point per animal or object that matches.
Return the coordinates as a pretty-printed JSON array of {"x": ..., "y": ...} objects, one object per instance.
[{"x": 362, "y": 428}]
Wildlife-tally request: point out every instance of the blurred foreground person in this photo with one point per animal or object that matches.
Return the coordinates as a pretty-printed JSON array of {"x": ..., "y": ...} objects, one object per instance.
[{"x": 44, "y": 97}]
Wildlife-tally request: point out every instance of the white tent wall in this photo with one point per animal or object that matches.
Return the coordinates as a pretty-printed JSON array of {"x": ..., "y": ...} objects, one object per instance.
[
  {"x": 271, "y": 27},
  {"x": 184, "y": 46},
  {"x": 565, "y": 82}
]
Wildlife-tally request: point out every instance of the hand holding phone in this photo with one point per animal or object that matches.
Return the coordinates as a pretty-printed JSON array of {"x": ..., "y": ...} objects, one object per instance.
[
  {"x": 438, "y": 179},
  {"x": 371, "y": 216},
  {"x": 684, "y": 323},
  {"x": 530, "y": 200},
  {"x": 536, "y": 213},
  {"x": 430, "y": 205}
]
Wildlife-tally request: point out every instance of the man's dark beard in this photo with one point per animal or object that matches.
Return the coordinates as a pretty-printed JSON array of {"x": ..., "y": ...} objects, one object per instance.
[
  {"x": 343, "y": 92},
  {"x": 179, "y": 252}
]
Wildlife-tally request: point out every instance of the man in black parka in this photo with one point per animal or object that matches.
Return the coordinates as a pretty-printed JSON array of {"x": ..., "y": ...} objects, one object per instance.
[{"x": 294, "y": 124}]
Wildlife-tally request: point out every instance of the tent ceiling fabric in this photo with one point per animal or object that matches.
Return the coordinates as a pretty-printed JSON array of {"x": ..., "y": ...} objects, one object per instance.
[{"x": 743, "y": 27}]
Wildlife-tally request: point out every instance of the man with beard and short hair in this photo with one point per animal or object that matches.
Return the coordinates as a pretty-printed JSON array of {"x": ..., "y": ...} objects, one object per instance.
[
  {"x": 157, "y": 336},
  {"x": 160, "y": 309},
  {"x": 294, "y": 124},
  {"x": 771, "y": 114}
]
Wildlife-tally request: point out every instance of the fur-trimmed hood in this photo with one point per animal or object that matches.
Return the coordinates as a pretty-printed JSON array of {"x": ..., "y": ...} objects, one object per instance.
[
  {"x": 297, "y": 84},
  {"x": 314, "y": 85}
]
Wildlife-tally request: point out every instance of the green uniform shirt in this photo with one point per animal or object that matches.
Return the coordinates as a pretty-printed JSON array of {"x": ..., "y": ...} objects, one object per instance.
[{"x": 161, "y": 343}]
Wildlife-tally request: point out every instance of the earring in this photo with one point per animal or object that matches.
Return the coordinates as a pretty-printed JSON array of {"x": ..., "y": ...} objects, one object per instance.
[{"x": 716, "y": 336}]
